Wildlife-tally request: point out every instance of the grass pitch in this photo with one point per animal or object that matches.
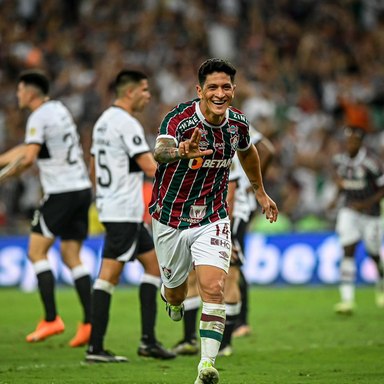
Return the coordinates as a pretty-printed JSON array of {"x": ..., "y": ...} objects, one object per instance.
[{"x": 297, "y": 339}]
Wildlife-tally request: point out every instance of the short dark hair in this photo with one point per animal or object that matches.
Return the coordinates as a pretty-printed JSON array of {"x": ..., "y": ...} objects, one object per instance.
[
  {"x": 127, "y": 76},
  {"x": 36, "y": 78},
  {"x": 215, "y": 65}
]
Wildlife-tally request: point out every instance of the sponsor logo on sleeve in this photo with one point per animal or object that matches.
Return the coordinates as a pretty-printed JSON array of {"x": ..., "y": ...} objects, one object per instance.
[{"x": 137, "y": 140}]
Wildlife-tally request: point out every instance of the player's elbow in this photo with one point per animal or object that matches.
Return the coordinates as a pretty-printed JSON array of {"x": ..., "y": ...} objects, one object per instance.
[{"x": 150, "y": 171}]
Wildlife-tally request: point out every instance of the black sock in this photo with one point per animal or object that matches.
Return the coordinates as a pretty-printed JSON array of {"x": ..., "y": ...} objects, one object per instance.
[
  {"x": 230, "y": 322},
  {"x": 46, "y": 284},
  {"x": 379, "y": 265},
  {"x": 83, "y": 288},
  {"x": 148, "y": 307},
  {"x": 101, "y": 302},
  {"x": 243, "y": 316},
  {"x": 190, "y": 318}
]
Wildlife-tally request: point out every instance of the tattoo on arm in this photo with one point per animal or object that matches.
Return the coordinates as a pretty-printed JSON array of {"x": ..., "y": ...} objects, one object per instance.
[
  {"x": 255, "y": 186},
  {"x": 166, "y": 151}
]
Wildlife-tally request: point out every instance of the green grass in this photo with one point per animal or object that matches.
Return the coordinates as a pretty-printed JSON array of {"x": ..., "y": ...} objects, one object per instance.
[{"x": 297, "y": 339}]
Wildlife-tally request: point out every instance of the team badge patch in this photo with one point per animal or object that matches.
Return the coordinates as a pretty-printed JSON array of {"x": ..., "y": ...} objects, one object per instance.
[
  {"x": 235, "y": 142},
  {"x": 167, "y": 272}
]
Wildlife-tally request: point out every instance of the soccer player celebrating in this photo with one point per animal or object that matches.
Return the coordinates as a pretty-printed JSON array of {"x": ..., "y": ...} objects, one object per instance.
[
  {"x": 194, "y": 149},
  {"x": 359, "y": 175},
  {"x": 241, "y": 205},
  {"x": 120, "y": 157},
  {"x": 52, "y": 142}
]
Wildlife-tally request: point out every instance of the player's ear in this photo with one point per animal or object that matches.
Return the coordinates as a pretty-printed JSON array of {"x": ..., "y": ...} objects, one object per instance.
[{"x": 199, "y": 91}]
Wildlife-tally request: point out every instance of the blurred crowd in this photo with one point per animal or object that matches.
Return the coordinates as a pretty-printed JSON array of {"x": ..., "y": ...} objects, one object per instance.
[{"x": 305, "y": 69}]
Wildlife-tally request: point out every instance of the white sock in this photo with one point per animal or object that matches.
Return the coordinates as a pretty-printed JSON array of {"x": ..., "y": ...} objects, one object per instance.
[
  {"x": 347, "y": 279},
  {"x": 212, "y": 325}
]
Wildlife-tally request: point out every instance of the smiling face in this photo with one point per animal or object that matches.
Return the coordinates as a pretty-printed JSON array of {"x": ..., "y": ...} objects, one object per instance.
[{"x": 216, "y": 95}]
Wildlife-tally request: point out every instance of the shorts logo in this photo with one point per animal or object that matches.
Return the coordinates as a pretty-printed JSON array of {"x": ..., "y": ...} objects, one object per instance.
[
  {"x": 224, "y": 255},
  {"x": 220, "y": 243},
  {"x": 167, "y": 272}
]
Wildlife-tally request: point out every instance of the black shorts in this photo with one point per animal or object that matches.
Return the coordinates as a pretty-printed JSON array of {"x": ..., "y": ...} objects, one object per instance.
[
  {"x": 63, "y": 215},
  {"x": 238, "y": 231},
  {"x": 124, "y": 241}
]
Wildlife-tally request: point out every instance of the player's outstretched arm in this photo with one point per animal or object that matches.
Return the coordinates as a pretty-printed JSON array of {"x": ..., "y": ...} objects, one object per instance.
[
  {"x": 17, "y": 160},
  {"x": 12, "y": 154},
  {"x": 10, "y": 169},
  {"x": 167, "y": 152},
  {"x": 250, "y": 162},
  {"x": 11, "y": 160}
]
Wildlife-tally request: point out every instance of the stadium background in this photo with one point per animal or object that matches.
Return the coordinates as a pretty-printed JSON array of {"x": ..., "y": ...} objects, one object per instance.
[{"x": 305, "y": 68}]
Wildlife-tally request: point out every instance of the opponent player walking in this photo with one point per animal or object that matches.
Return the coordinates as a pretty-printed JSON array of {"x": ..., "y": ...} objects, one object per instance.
[
  {"x": 120, "y": 158},
  {"x": 52, "y": 142}
]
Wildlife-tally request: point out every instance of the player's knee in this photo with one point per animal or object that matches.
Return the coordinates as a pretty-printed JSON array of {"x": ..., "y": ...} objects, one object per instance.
[
  {"x": 212, "y": 291},
  {"x": 176, "y": 296}
]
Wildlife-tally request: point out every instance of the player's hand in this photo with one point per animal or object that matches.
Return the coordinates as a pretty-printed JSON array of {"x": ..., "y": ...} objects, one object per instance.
[
  {"x": 268, "y": 206},
  {"x": 11, "y": 168},
  {"x": 234, "y": 254},
  {"x": 189, "y": 149}
]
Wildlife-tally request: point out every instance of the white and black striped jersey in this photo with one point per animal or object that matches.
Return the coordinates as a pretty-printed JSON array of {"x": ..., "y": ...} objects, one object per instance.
[
  {"x": 362, "y": 176},
  {"x": 117, "y": 138},
  {"x": 245, "y": 201},
  {"x": 60, "y": 160}
]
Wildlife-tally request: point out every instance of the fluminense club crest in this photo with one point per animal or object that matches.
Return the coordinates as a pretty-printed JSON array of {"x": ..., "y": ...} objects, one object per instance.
[{"x": 167, "y": 272}]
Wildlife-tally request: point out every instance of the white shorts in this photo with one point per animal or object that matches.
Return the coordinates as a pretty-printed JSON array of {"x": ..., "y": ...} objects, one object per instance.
[
  {"x": 178, "y": 251},
  {"x": 353, "y": 226}
]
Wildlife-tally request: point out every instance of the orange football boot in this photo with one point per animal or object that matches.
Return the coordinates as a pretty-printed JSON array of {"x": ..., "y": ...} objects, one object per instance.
[
  {"x": 46, "y": 329},
  {"x": 82, "y": 336}
]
